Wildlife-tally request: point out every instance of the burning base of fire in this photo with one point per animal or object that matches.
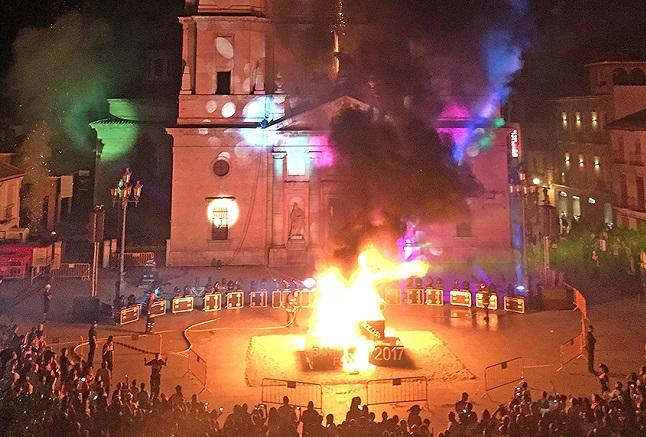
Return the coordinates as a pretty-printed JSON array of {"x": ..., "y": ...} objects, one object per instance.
[{"x": 283, "y": 357}]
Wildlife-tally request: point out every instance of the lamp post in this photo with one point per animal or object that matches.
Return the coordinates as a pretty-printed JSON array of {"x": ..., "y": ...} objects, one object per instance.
[{"x": 124, "y": 193}]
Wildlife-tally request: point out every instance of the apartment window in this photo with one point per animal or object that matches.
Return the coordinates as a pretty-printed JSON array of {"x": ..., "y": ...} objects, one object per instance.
[
  {"x": 623, "y": 187},
  {"x": 577, "y": 119},
  {"x": 581, "y": 161},
  {"x": 158, "y": 68},
  {"x": 576, "y": 206},
  {"x": 463, "y": 230},
  {"x": 567, "y": 161},
  {"x": 219, "y": 224},
  {"x": 9, "y": 211},
  {"x": 639, "y": 181},
  {"x": 223, "y": 82},
  {"x": 564, "y": 119}
]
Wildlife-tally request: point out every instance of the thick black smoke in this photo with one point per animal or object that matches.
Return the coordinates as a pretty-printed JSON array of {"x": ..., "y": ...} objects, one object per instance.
[
  {"x": 396, "y": 56},
  {"x": 395, "y": 169}
]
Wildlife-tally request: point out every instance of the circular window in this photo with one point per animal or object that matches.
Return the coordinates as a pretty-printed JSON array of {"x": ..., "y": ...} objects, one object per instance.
[{"x": 221, "y": 167}]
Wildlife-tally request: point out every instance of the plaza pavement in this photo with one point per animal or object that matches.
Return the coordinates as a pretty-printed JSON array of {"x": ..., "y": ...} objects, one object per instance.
[{"x": 620, "y": 330}]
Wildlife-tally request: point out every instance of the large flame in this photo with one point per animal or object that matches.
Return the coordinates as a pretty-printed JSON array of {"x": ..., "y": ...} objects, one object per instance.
[{"x": 342, "y": 304}]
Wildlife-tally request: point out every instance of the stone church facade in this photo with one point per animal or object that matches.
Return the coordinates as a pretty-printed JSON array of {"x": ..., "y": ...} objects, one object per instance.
[{"x": 252, "y": 182}]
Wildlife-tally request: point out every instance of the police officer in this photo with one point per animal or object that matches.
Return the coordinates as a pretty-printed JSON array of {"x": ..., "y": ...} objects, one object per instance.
[{"x": 291, "y": 307}]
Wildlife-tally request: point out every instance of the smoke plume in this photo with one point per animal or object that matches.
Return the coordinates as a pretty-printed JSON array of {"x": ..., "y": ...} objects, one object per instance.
[
  {"x": 59, "y": 80},
  {"x": 402, "y": 58}
]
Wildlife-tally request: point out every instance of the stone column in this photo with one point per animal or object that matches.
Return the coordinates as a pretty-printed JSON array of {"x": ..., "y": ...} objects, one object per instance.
[
  {"x": 188, "y": 54},
  {"x": 278, "y": 222},
  {"x": 314, "y": 200}
]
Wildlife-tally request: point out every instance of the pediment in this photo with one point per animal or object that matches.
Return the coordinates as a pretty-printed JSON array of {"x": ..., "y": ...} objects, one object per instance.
[{"x": 319, "y": 117}]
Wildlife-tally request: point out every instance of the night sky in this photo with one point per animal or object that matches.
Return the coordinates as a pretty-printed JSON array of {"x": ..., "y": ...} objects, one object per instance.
[{"x": 562, "y": 34}]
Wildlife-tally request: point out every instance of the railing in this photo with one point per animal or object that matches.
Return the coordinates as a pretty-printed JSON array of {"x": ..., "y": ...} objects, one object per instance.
[
  {"x": 299, "y": 393},
  {"x": 571, "y": 349},
  {"x": 73, "y": 270},
  {"x": 134, "y": 259},
  {"x": 636, "y": 159},
  {"x": 397, "y": 390},
  {"x": 504, "y": 373},
  {"x": 197, "y": 366}
]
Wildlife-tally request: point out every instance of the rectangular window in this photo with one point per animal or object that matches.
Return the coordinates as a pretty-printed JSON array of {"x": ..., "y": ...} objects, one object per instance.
[
  {"x": 223, "y": 82},
  {"x": 623, "y": 186},
  {"x": 576, "y": 206},
  {"x": 8, "y": 212},
  {"x": 296, "y": 164},
  {"x": 577, "y": 118},
  {"x": 564, "y": 119},
  {"x": 581, "y": 161},
  {"x": 220, "y": 224},
  {"x": 463, "y": 230},
  {"x": 639, "y": 181}
]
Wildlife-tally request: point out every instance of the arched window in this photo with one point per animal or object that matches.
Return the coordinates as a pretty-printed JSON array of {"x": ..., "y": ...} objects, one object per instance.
[
  {"x": 637, "y": 77},
  {"x": 620, "y": 77}
]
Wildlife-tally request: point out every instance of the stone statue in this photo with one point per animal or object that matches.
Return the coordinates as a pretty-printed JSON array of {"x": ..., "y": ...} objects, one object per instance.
[{"x": 296, "y": 222}]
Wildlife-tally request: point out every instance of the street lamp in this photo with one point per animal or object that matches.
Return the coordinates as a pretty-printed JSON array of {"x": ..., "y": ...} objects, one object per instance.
[{"x": 124, "y": 193}]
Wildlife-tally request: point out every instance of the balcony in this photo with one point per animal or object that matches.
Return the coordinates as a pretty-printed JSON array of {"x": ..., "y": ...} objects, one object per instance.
[
  {"x": 632, "y": 203},
  {"x": 636, "y": 159},
  {"x": 618, "y": 158}
]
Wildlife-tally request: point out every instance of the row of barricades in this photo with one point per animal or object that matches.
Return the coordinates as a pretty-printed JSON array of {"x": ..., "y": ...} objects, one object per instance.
[
  {"x": 232, "y": 300},
  {"x": 412, "y": 389}
]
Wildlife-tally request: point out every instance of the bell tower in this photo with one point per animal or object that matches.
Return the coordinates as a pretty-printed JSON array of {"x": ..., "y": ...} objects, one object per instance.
[{"x": 224, "y": 56}]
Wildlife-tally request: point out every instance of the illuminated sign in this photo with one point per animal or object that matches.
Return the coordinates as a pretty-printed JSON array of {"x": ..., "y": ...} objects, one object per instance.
[{"x": 514, "y": 143}]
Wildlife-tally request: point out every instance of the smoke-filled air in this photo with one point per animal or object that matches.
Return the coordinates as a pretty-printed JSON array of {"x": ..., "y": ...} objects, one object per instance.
[
  {"x": 60, "y": 78},
  {"x": 396, "y": 167}
]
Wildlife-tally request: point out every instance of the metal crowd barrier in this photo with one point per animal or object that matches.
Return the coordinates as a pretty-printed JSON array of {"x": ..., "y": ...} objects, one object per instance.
[
  {"x": 73, "y": 270},
  {"x": 434, "y": 296},
  {"x": 504, "y": 373},
  {"x": 571, "y": 349},
  {"x": 235, "y": 299},
  {"x": 397, "y": 390},
  {"x": 461, "y": 298},
  {"x": 182, "y": 304},
  {"x": 212, "y": 302},
  {"x": 198, "y": 367},
  {"x": 514, "y": 304},
  {"x": 493, "y": 301},
  {"x": 299, "y": 393},
  {"x": 157, "y": 308},
  {"x": 129, "y": 314}
]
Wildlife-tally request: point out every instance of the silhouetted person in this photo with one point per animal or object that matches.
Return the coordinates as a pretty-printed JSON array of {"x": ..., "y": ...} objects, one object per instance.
[
  {"x": 91, "y": 335},
  {"x": 155, "y": 374},
  {"x": 590, "y": 341}
]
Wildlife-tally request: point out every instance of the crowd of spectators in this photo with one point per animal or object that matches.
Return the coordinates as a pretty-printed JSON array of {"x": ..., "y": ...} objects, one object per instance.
[{"x": 47, "y": 394}]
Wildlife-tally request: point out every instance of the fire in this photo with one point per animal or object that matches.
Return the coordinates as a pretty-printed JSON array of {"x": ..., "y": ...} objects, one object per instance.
[{"x": 342, "y": 304}]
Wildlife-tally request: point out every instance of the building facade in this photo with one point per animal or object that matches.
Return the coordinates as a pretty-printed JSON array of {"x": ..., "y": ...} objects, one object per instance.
[
  {"x": 583, "y": 183},
  {"x": 253, "y": 181},
  {"x": 628, "y": 145}
]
